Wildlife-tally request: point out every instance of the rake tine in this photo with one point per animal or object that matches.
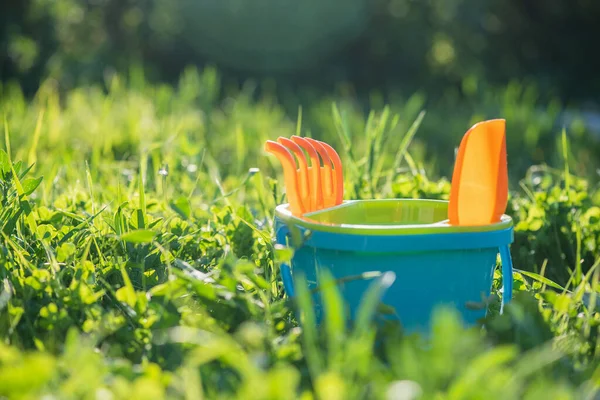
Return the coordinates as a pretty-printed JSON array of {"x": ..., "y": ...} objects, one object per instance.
[
  {"x": 326, "y": 174},
  {"x": 289, "y": 171},
  {"x": 302, "y": 172},
  {"x": 339, "y": 174},
  {"x": 315, "y": 171}
]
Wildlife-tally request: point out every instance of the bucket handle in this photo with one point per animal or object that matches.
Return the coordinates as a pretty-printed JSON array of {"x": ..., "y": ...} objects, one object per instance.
[{"x": 507, "y": 276}]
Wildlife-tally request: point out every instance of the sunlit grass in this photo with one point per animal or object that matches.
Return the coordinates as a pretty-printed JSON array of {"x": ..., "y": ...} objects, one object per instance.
[{"x": 136, "y": 256}]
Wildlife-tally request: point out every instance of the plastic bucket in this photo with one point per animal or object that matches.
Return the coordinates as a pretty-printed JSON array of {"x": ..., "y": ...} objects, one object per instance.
[{"x": 434, "y": 263}]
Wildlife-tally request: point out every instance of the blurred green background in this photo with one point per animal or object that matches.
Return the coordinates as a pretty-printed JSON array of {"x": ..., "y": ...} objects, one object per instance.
[
  {"x": 409, "y": 44},
  {"x": 534, "y": 63}
]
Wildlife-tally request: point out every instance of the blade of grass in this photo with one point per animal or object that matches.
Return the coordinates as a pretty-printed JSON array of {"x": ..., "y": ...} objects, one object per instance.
[
  {"x": 24, "y": 204},
  {"x": 383, "y": 141},
  {"x": 540, "y": 279},
  {"x": 142, "y": 192},
  {"x": 370, "y": 301},
  {"x": 344, "y": 135},
  {"x": 299, "y": 121},
  {"x": 565, "y": 154},
  {"x": 32, "y": 157},
  {"x": 334, "y": 318},
  {"x": 88, "y": 176},
  {"x": 408, "y": 137},
  {"x": 309, "y": 326}
]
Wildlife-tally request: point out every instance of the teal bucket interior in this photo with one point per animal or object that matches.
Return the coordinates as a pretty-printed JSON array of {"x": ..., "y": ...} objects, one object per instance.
[{"x": 434, "y": 263}]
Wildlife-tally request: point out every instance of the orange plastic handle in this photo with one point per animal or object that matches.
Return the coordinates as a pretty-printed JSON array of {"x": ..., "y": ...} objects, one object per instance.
[
  {"x": 316, "y": 194},
  {"x": 289, "y": 173},
  {"x": 479, "y": 191},
  {"x": 326, "y": 174},
  {"x": 302, "y": 172},
  {"x": 338, "y": 181}
]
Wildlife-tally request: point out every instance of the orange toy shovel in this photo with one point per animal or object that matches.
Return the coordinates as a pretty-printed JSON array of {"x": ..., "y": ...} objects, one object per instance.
[{"x": 479, "y": 192}]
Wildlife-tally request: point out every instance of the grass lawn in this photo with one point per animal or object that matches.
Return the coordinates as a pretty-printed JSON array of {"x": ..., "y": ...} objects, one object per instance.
[{"x": 137, "y": 259}]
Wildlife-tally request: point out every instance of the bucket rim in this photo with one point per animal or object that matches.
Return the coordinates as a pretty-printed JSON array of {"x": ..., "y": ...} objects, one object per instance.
[{"x": 282, "y": 212}]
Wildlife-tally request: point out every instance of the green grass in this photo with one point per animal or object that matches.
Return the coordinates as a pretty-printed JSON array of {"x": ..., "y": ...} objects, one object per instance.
[{"x": 137, "y": 261}]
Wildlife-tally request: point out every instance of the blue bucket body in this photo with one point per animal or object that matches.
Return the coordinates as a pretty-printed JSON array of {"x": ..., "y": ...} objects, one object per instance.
[{"x": 431, "y": 269}]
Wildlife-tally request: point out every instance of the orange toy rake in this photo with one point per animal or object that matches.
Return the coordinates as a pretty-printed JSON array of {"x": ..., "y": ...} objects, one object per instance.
[{"x": 314, "y": 187}]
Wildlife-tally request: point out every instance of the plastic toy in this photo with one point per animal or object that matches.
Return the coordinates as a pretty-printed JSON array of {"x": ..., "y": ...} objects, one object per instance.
[
  {"x": 441, "y": 252},
  {"x": 479, "y": 192},
  {"x": 309, "y": 188}
]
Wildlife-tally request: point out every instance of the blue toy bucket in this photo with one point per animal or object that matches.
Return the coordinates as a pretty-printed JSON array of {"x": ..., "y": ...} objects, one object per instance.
[{"x": 434, "y": 263}]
